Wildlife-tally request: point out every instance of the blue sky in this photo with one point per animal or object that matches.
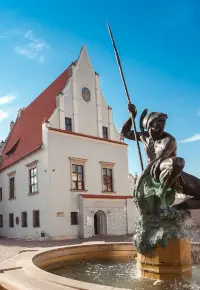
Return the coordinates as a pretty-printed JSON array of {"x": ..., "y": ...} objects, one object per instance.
[{"x": 159, "y": 46}]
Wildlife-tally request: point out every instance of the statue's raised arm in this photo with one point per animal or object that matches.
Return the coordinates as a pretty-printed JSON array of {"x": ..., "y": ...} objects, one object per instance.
[{"x": 126, "y": 131}]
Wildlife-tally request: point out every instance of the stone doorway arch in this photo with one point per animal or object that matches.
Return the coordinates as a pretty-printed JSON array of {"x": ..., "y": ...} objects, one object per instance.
[{"x": 100, "y": 223}]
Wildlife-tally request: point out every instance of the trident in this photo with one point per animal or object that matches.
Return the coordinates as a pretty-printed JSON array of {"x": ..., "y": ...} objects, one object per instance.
[{"x": 127, "y": 93}]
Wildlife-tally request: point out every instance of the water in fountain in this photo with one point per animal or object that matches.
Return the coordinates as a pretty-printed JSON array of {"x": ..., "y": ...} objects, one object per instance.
[
  {"x": 125, "y": 274},
  {"x": 122, "y": 275}
]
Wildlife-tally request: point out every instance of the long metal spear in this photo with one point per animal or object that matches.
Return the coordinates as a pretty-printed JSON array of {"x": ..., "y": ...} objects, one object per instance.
[{"x": 127, "y": 93}]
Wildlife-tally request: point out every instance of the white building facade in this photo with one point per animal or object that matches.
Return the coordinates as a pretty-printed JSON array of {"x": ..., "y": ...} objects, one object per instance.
[
  {"x": 132, "y": 182},
  {"x": 64, "y": 169}
]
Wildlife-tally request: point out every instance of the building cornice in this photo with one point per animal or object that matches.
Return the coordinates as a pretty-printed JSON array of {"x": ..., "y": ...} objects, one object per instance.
[
  {"x": 87, "y": 136},
  {"x": 18, "y": 160},
  {"x": 104, "y": 196}
]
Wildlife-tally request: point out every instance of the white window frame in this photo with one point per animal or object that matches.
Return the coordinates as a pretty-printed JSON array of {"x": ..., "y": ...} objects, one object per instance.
[
  {"x": 108, "y": 165},
  {"x": 31, "y": 166},
  {"x": 78, "y": 161},
  {"x": 11, "y": 175}
]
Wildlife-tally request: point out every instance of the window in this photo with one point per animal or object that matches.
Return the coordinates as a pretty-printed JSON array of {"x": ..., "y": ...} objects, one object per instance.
[
  {"x": 36, "y": 218},
  {"x": 11, "y": 220},
  {"x": 33, "y": 177},
  {"x": 105, "y": 132},
  {"x": 77, "y": 177},
  {"x": 1, "y": 221},
  {"x": 24, "y": 219},
  {"x": 12, "y": 187},
  {"x": 74, "y": 218},
  {"x": 77, "y": 166},
  {"x": 13, "y": 149},
  {"x": 33, "y": 180},
  {"x": 107, "y": 180},
  {"x": 68, "y": 124},
  {"x": 1, "y": 194}
]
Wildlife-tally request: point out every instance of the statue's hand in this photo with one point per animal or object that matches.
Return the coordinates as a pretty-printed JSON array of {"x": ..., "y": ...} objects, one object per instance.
[
  {"x": 132, "y": 109},
  {"x": 155, "y": 170}
]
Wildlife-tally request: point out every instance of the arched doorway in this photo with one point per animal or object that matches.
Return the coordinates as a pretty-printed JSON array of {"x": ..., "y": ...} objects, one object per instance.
[{"x": 100, "y": 223}]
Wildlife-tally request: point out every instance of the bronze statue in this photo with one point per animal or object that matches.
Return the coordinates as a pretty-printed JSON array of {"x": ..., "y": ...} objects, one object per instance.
[
  {"x": 159, "y": 219},
  {"x": 164, "y": 167}
]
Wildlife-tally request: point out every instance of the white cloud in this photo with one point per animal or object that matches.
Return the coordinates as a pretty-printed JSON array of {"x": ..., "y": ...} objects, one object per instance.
[
  {"x": 33, "y": 48},
  {"x": 28, "y": 44},
  {"x": 7, "y": 99},
  {"x": 194, "y": 138},
  {"x": 3, "y": 115},
  {"x": 25, "y": 52}
]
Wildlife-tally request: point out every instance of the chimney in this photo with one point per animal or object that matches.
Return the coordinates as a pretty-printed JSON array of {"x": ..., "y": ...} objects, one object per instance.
[
  {"x": 2, "y": 146},
  {"x": 19, "y": 113},
  {"x": 11, "y": 125}
]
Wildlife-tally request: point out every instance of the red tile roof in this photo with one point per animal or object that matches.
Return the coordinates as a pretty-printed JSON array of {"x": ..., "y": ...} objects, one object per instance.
[{"x": 27, "y": 130}]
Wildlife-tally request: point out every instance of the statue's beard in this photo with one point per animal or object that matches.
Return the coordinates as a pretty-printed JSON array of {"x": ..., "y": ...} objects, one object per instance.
[{"x": 158, "y": 130}]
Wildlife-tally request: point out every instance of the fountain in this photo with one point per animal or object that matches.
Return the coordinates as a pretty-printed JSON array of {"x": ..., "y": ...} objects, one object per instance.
[
  {"x": 163, "y": 250},
  {"x": 161, "y": 255}
]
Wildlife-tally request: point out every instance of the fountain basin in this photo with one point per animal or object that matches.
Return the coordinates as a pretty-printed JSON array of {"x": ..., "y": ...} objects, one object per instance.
[{"x": 28, "y": 270}]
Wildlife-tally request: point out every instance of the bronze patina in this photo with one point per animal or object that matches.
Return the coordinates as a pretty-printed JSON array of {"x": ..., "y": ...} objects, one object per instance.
[{"x": 155, "y": 191}]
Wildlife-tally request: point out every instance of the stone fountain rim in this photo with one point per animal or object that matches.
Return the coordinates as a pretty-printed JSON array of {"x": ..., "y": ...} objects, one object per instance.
[{"x": 23, "y": 263}]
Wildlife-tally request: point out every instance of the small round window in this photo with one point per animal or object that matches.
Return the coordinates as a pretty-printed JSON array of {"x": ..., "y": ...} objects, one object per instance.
[{"x": 86, "y": 94}]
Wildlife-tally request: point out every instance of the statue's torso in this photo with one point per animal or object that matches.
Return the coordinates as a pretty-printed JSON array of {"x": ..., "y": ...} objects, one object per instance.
[{"x": 154, "y": 148}]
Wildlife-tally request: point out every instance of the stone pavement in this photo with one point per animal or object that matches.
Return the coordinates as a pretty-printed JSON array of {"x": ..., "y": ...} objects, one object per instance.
[{"x": 11, "y": 247}]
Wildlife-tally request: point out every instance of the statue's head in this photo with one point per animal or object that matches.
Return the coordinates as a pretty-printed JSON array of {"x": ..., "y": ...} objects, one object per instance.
[{"x": 155, "y": 121}]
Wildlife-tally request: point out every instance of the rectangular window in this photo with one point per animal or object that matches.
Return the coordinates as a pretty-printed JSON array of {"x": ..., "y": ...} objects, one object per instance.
[
  {"x": 105, "y": 132},
  {"x": 1, "y": 221},
  {"x": 68, "y": 124},
  {"x": 12, "y": 187},
  {"x": 36, "y": 218},
  {"x": 33, "y": 180},
  {"x": 24, "y": 219},
  {"x": 107, "y": 180},
  {"x": 1, "y": 194},
  {"x": 77, "y": 177},
  {"x": 74, "y": 218},
  {"x": 11, "y": 220}
]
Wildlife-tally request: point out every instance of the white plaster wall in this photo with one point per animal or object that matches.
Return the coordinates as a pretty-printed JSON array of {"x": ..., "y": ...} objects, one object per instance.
[
  {"x": 23, "y": 201},
  {"x": 132, "y": 181},
  {"x": 55, "y": 119},
  {"x": 61, "y": 147},
  {"x": 68, "y": 104},
  {"x": 104, "y": 110},
  {"x": 87, "y": 117},
  {"x": 84, "y": 76}
]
